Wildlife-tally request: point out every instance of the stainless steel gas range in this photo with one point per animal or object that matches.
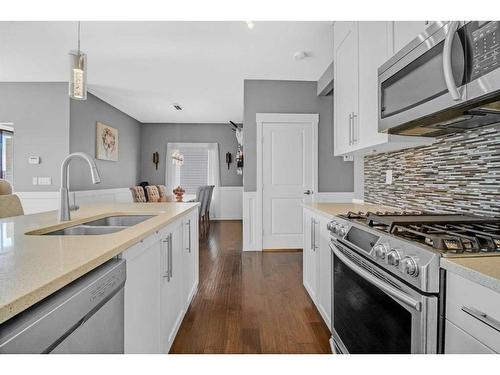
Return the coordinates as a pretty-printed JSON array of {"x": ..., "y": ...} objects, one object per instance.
[{"x": 387, "y": 287}]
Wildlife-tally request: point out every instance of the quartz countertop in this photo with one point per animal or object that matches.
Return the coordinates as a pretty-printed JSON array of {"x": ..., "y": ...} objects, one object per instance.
[
  {"x": 335, "y": 209},
  {"x": 483, "y": 270},
  {"x": 33, "y": 267}
]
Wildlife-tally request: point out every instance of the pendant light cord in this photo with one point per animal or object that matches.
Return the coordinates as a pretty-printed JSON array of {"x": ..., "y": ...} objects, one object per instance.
[{"x": 78, "y": 37}]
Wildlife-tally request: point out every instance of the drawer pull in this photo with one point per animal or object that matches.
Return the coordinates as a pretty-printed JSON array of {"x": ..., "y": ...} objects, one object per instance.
[{"x": 479, "y": 315}]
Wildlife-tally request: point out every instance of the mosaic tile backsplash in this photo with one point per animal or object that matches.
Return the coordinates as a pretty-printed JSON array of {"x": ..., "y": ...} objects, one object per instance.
[{"x": 457, "y": 173}]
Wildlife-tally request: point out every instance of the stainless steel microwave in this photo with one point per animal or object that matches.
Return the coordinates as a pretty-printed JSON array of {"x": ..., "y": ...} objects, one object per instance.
[{"x": 446, "y": 80}]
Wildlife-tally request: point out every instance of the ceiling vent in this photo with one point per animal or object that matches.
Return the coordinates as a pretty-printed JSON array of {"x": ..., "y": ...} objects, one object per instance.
[{"x": 177, "y": 107}]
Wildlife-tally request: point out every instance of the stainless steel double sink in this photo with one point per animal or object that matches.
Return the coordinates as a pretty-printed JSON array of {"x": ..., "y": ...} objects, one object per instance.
[{"x": 105, "y": 225}]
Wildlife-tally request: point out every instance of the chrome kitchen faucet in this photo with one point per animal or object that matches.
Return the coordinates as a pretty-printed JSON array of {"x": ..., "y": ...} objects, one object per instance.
[{"x": 64, "y": 208}]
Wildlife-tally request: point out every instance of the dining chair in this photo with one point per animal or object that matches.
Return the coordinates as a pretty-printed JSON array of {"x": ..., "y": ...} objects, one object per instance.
[
  {"x": 138, "y": 195},
  {"x": 209, "y": 201},
  {"x": 10, "y": 205},
  {"x": 5, "y": 187},
  {"x": 162, "y": 190},
  {"x": 152, "y": 194}
]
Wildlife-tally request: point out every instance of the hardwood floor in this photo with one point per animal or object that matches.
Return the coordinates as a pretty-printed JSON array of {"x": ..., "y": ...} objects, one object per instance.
[{"x": 249, "y": 302}]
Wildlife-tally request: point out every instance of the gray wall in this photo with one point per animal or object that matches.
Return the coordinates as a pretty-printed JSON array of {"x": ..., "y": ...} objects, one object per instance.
[
  {"x": 154, "y": 137},
  {"x": 40, "y": 113},
  {"x": 269, "y": 96},
  {"x": 114, "y": 174}
]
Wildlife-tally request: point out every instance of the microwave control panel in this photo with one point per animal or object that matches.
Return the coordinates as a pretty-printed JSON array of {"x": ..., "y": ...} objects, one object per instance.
[{"x": 485, "y": 39}]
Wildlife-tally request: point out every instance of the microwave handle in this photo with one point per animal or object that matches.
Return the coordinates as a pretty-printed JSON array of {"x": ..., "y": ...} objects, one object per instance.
[{"x": 447, "y": 67}]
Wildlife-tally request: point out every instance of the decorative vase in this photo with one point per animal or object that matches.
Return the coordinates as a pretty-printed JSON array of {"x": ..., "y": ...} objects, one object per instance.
[{"x": 179, "y": 193}]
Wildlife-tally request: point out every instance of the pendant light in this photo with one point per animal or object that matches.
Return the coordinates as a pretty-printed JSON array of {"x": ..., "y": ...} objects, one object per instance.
[{"x": 78, "y": 72}]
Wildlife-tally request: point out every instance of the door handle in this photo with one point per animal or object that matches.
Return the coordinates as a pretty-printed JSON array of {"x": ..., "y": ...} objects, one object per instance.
[
  {"x": 447, "y": 67},
  {"x": 308, "y": 192}
]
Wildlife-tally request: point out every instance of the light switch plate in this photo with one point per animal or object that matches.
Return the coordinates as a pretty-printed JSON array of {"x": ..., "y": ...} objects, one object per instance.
[
  {"x": 388, "y": 177},
  {"x": 34, "y": 160},
  {"x": 348, "y": 157}
]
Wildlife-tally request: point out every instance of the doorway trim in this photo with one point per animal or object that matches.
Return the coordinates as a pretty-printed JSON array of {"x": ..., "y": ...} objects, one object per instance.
[{"x": 263, "y": 119}]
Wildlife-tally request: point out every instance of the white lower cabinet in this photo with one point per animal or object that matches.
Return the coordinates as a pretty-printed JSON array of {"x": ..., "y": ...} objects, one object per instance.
[
  {"x": 142, "y": 297},
  {"x": 457, "y": 341},
  {"x": 162, "y": 278},
  {"x": 309, "y": 255},
  {"x": 324, "y": 272},
  {"x": 172, "y": 302},
  {"x": 317, "y": 269},
  {"x": 190, "y": 254},
  {"x": 475, "y": 310}
]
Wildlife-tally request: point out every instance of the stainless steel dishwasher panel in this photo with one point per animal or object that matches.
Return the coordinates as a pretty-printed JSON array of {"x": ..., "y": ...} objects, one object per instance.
[
  {"x": 86, "y": 316},
  {"x": 102, "y": 333}
]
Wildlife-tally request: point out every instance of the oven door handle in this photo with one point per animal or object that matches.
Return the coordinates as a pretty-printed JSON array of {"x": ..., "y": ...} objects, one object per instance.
[
  {"x": 447, "y": 66},
  {"x": 390, "y": 290}
]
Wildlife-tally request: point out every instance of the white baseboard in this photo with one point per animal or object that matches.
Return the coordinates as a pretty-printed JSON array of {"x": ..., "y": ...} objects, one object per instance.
[
  {"x": 251, "y": 239},
  {"x": 38, "y": 201},
  {"x": 85, "y": 197},
  {"x": 337, "y": 197},
  {"x": 227, "y": 203},
  {"x": 41, "y": 201}
]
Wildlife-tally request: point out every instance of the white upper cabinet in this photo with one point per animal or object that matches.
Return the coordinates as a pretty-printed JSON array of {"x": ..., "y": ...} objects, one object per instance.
[
  {"x": 360, "y": 48},
  {"x": 375, "y": 47},
  {"x": 345, "y": 85},
  {"x": 406, "y": 31}
]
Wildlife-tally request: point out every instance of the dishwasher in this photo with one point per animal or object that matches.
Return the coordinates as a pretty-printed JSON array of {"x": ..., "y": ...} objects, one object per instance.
[{"x": 86, "y": 316}]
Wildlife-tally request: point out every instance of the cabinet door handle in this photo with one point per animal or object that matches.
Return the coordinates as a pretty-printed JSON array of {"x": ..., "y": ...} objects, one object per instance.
[
  {"x": 350, "y": 129},
  {"x": 314, "y": 231},
  {"x": 355, "y": 130},
  {"x": 481, "y": 316},
  {"x": 165, "y": 258},
  {"x": 171, "y": 257},
  {"x": 189, "y": 235},
  {"x": 312, "y": 235}
]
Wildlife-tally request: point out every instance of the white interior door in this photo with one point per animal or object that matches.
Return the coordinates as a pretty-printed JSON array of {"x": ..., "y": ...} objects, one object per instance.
[{"x": 289, "y": 162}]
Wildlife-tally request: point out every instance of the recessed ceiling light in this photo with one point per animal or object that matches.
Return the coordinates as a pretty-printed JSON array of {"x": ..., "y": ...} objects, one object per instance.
[
  {"x": 177, "y": 107},
  {"x": 250, "y": 25},
  {"x": 300, "y": 55}
]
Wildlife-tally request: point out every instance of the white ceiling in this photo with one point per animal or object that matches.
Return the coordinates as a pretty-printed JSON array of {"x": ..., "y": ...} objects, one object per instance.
[{"x": 143, "y": 67}]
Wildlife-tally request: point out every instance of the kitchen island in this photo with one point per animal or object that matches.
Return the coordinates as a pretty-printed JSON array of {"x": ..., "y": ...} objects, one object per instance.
[{"x": 33, "y": 266}]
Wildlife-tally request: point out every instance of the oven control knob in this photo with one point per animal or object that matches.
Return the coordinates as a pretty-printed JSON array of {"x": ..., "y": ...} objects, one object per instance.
[
  {"x": 331, "y": 226},
  {"x": 342, "y": 230},
  {"x": 409, "y": 265},
  {"x": 393, "y": 258},
  {"x": 381, "y": 250}
]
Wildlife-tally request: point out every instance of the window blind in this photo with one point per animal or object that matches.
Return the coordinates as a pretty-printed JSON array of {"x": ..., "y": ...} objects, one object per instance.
[{"x": 194, "y": 172}]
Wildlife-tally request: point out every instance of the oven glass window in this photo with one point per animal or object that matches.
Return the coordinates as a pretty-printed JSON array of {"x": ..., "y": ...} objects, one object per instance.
[
  {"x": 422, "y": 80},
  {"x": 366, "y": 319}
]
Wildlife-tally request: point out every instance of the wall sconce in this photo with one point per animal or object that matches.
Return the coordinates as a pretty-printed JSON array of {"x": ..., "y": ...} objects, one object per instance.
[
  {"x": 156, "y": 159},
  {"x": 229, "y": 159}
]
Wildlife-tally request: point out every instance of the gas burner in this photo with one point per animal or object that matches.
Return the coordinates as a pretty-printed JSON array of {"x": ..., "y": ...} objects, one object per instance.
[
  {"x": 451, "y": 234},
  {"x": 470, "y": 238}
]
